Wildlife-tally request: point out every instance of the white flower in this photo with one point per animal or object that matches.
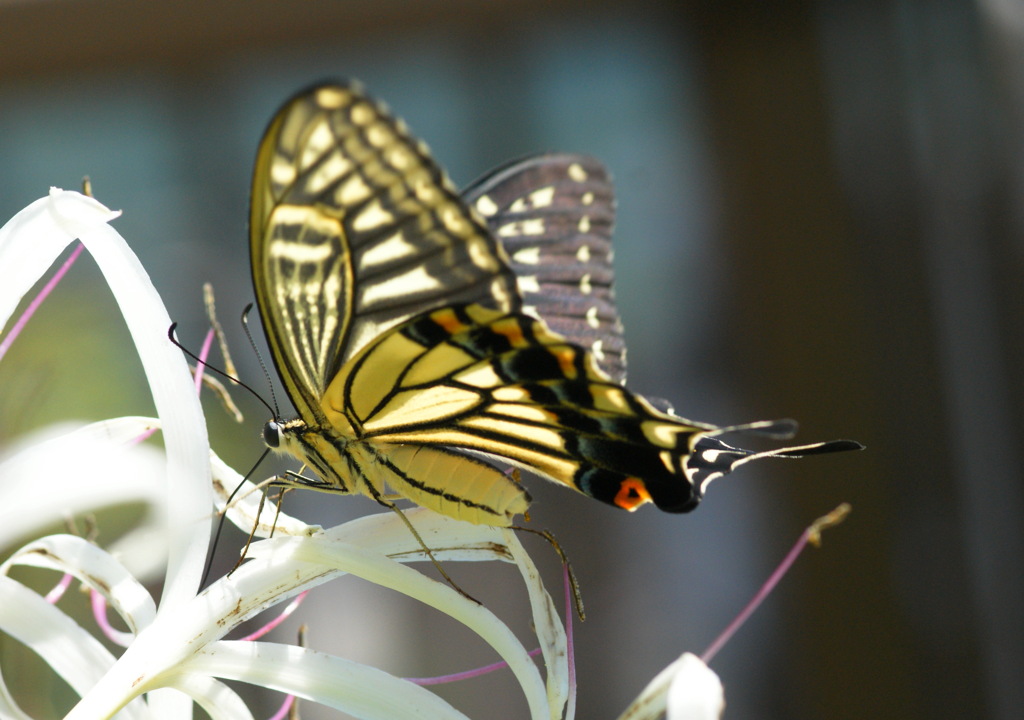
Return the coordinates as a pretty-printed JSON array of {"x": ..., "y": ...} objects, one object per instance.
[{"x": 175, "y": 652}]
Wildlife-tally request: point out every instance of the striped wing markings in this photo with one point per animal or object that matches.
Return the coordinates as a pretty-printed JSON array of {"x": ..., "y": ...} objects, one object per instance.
[
  {"x": 355, "y": 229},
  {"x": 554, "y": 214},
  {"x": 503, "y": 385}
]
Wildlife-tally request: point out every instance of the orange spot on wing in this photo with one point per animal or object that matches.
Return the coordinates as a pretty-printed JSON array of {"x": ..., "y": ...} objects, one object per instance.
[
  {"x": 566, "y": 357},
  {"x": 511, "y": 330},
  {"x": 632, "y": 494},
  {"x": 447, "y": 319}
]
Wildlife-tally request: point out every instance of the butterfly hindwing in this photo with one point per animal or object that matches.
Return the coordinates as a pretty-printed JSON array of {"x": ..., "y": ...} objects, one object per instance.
[
  {"x": 554, "y": 214},
  {"x": 503, "y": 385}
]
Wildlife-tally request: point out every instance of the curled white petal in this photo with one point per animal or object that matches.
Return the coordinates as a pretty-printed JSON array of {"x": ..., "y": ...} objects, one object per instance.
[
  {"x": 546, "y": 623},
  {"x": 187, "y": 492},
  {"x": 32, "y": 240},
  {"x": 29, "y": 243},
  {"x": 84, "y": 468},
  {"x": 685, "y": 690},
  {"x": 280, "y": 568},
  {"x": 94, "y": 567},
  {"x": 695, "y": 692},
  {"x": 359, "y": 690},
  {"x": 71, "y": 651},
  {"x": 218, "y": 700},
  {"x": 245, "y": 500},
  {"x": 387, "y": 573}
]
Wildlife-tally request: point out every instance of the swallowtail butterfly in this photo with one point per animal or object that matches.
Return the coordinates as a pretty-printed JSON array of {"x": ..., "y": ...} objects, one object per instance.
[{"x": 400, "y": 331}]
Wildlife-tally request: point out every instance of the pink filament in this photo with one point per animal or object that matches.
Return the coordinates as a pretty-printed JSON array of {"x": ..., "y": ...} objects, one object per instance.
[
  {"x": 38, "y": 300},
  {"x": 758, "y": 598},
  {"x": 280, "y": 618}
]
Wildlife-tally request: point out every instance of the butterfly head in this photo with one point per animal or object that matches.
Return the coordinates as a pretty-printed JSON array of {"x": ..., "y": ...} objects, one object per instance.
[
  {"x": 272, "y": 434},
  {"x": 286, "y": 436}
]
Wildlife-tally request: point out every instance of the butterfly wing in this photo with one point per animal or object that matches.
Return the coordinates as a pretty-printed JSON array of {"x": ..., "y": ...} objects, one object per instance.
[
  {"x": 554, "y": 215},
  {"x": 503, "y": 385},
  {"x": 353, "y": 230}
]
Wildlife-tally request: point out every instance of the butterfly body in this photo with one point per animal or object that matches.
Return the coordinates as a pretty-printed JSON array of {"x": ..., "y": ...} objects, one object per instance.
[{"x": 400, "y": 331}]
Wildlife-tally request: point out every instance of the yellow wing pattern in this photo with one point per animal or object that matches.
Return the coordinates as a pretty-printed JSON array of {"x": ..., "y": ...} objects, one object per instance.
[{"x": 354, "y": 229}]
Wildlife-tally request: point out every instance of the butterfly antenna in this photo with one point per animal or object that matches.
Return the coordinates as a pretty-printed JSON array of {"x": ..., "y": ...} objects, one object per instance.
[
  {"x": 208, "y": 366},
  {"x": 223, "y": 517},
  {"x": 259, "y": 357}
]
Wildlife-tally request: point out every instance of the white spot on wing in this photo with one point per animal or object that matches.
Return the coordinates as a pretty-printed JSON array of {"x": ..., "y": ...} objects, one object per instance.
[
  {"x": 327, "y": 172},
  {"x": 527, "y": 256},
  {"x": 372, "y": 216},
  {"x": 541, "y": 197},
  {"x": 282, "y": 173},
  {"x": 417, "y": 280},
  {"x": 352, "y": 191},
  {"x": 534, "y": 226},
  {"x": 317, "y": 143},
  {"x": 331, "y": 97},
  {"x": 485, "y": 206},
  {"x": 362, "y": 113},
  {"x": 530, "y": 310},
  {"x": 387, "y": 251},
  {"x": 577, "y": 173},
  {"x": 528, "y": 283},
  {"x": 300, "y": 252}
]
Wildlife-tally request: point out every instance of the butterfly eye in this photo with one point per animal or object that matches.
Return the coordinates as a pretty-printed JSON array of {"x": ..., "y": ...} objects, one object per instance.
[{"x": 272, "y": 434}]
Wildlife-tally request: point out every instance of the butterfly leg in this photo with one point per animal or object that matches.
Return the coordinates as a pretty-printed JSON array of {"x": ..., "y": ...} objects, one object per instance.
[
  {"x": 577, "y": 597},
  {"x": 384, "y": 501}
]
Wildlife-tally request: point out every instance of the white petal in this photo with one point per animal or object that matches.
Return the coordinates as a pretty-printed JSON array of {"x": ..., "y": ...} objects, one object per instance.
[
  {"x": 546, "y": 623},
  {"x": 94, "y": 567},
  {"x": 280, "y": 568},
  {"x": 695, "y": 692},
  {"x": 188, "y": 494},
  {"x": 372, "y": 566},
  {"x": 72, "y": 652},
  {"x": 697, "y": 696},
  {"x": 84, "y": 469},
  {"x": 28, "y": 245},
  {"x": 218, "y": 700},
  {"x": 351, "y": 687},
  {"x": 245, "y": 502},
  {"x": 32, "y": 240}
]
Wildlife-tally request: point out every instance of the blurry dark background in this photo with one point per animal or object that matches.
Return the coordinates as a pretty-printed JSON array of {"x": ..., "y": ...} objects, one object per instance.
[{"x": 819, "y": 218}]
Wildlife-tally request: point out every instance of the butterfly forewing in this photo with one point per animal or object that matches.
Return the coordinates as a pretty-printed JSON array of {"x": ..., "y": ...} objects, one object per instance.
[
  {"x": 554, "y": 215},
  {"x": 355, "y": 229}
]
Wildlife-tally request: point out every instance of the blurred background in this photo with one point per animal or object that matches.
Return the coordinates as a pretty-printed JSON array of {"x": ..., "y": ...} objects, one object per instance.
[{"x": 819, "y": 217}]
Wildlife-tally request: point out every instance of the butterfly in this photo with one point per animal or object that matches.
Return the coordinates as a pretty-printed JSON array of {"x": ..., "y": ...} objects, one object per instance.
[{"x": 400, "y": 331}]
